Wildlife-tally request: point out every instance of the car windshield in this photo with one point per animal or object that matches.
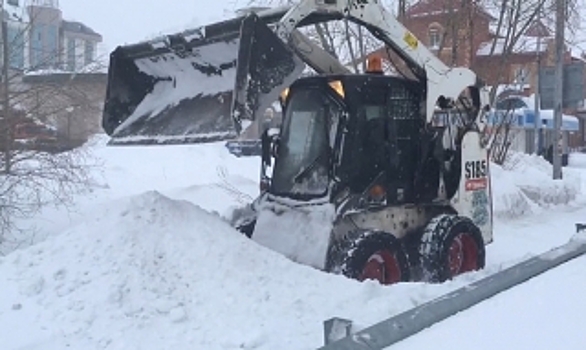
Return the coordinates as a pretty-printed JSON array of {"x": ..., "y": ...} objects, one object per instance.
[{"x": 302, "y": 164}]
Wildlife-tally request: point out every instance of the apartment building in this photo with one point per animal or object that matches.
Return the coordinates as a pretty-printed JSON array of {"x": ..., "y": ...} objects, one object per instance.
[{"x": 40, "y": 38}]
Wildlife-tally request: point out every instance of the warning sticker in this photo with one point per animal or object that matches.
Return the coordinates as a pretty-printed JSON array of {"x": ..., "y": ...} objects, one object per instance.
[{"x": 411, "y": 40}]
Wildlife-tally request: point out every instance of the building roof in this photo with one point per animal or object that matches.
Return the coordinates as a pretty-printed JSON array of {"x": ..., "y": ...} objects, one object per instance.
[
  {"x": 59, "y": 76},
  {"x": 80, "y": 28},
  {"x": 424, "y": 8},
  {"x": 525, "y": 45}
]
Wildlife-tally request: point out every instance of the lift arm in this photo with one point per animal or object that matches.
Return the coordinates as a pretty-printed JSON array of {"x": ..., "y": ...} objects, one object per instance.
[{"x": 442, "y": 81}]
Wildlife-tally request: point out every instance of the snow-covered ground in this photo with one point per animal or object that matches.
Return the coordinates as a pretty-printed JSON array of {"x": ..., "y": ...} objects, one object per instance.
[
  {"x": 544, "y": 313},
  {"x": 146, "y": 262}
]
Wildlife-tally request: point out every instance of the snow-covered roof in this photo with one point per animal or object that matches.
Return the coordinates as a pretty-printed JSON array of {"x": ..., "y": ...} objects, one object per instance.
[
  {"x": 576, "y": 52},
  {"x": 424, "y": 8},
  {"x": 48, "y": 71},
  {"x": 528, "y": 45},
  {"x": 94, "y": 67},
  {"x": 525, "y": 44},
  {"x": 80, "y": 28}
]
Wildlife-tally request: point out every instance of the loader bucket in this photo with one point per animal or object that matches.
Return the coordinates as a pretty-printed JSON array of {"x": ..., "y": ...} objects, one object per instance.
[
  {"x": 180, "y": 88},
  {"x": 266, "y": 67}
]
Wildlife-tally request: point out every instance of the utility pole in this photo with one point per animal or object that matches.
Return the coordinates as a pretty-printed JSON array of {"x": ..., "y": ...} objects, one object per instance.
[
  {"x": 537, "y": 108},
  {"x": 559, "y": 83}
]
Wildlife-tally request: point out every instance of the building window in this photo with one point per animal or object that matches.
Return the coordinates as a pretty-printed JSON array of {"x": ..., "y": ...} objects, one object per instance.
[
  {"x": 89, "y": 52},
  {"x": 434, "y": 38},
  {"x": 71, "y": 55},
  {"x": 44, "y": 46},
  {"x": 16, "y": 47},
  {"x": 36, "y": 46},
  {"x": 521, "y": 74},
  {"x": 13, "y": 2},
  {"x": 52, "y": 45}
]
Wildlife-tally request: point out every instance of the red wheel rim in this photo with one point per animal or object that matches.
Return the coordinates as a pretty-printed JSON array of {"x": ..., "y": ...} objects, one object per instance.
[
  {"x": 383, "y": 267},
  {"x": 463, "y": 255}
]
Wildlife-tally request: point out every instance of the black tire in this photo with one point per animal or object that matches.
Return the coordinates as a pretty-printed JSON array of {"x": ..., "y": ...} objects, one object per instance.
[
  {"x": 376, "y": 253},
  {"x": 451, "y": 245}
]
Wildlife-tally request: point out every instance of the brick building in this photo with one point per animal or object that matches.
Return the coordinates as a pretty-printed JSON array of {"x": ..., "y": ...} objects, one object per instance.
[
  {"x": 454, "y": 34},
  {"x": 72, "y": 103}
]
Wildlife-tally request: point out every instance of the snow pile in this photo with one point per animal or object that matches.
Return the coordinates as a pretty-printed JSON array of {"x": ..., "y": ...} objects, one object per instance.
[
  {"x": 149, "y": 272},
  {"x": 578, "y": 160},
  {"x": 524, "y": 185},
  {"x": 134, "y": 268},
  {"x": 508, "y": 200},
  {"x": 206, "y": 174},
  {"x": 534, "y": 178}
]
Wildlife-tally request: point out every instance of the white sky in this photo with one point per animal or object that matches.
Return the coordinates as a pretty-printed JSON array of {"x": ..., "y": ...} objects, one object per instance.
[{"x": 130, "y": 21}]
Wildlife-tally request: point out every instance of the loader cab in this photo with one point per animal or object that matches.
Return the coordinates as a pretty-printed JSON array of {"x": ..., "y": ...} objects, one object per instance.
[{"x": 352, "y": 134}]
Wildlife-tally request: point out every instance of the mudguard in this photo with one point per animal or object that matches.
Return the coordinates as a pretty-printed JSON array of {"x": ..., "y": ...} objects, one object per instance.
[{"x": 180, "y": 88}]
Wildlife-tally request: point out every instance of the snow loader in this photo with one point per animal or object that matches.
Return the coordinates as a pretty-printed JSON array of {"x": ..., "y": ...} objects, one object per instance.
[{"x": 372, "y": 176}]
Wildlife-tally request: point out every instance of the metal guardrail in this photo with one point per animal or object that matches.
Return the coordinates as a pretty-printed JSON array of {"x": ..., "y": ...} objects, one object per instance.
[{"x": 406, "y": 324}]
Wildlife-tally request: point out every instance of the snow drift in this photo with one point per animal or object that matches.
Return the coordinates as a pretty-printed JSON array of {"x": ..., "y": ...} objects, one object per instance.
[
  {"x": 524, "y": 185},
  {"x": 142, "y": 269},
  {"x": 150, "y": 272}
]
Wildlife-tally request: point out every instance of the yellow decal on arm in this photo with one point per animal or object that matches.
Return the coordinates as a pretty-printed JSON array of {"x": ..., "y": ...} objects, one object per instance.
[{"x": 411, "y": 40}]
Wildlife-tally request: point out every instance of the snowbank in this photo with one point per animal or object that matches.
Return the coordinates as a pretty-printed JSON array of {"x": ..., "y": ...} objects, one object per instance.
[
  {"x": 141, "y": 269},
  {"x": 150, "y": 272},
  {"x": 577, "y": 160},
  {"x": 206, "y": 174},
  {"x": 524, "y": 185}
]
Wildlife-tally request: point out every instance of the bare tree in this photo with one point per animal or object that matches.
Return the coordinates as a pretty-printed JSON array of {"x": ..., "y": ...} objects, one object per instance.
[
  {"x": 344, "y": 40},
  {"x": 32, "y": 173},
  {"x": 514, "y": 18}
]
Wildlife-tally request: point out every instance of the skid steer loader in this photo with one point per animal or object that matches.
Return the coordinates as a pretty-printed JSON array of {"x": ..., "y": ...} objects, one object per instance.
[{"x": 363, "y": 178}]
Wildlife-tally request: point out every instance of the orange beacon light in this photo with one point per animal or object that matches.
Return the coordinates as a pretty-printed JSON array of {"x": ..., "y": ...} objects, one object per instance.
[{"x": 374, "y": 64}]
